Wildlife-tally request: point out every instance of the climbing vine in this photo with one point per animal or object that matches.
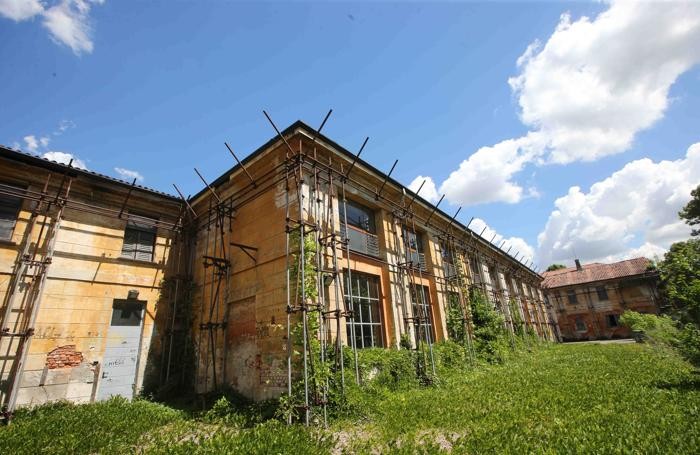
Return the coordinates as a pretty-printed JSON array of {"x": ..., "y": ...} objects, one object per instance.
[{"x": 319, "y": 373}]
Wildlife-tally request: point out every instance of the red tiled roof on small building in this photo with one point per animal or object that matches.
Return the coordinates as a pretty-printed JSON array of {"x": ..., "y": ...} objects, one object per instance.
[{"x": 595, "y": 272}]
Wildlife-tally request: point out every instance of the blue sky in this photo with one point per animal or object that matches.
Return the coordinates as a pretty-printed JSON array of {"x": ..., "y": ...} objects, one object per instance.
[{"x": 157, "y": 87}]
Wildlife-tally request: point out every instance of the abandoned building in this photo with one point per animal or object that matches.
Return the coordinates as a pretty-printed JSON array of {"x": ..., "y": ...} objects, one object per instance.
[
  {"x": 108, "y": 286},
  {"x": 590, "y": 298}
]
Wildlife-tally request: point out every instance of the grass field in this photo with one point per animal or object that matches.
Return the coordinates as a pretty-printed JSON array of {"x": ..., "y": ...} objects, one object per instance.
[{"x": 584, "y": 398}]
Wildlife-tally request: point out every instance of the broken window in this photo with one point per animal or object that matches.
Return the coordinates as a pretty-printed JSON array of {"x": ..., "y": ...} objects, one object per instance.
[
  {"x": 581, "y": 325},
  {"x": 571, "y": 295},
  {"x": 602, "y": 293},
  {"x": 139, "y": 240},
  {"x": 613, "y": 320}
]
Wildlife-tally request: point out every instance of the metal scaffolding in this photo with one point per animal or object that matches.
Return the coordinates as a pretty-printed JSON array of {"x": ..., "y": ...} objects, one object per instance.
[{"x": 34, "y": 259}]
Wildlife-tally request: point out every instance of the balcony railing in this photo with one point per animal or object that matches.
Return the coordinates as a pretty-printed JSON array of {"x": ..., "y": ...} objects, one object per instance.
[
  {"x": 450, "y": 271},
  {"x": 417, "y": 260},
  {"x": 360, "y": 241}
]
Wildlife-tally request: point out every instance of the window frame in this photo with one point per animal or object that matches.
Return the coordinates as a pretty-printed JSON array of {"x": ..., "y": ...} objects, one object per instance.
[
  {"x": 371, "y": 227},
  {"x": 7, "y": 206},
  {"x": 375, "y": 329},
  {"x": 615, "y": 317},
  {"x": 427, "y": 307},
  {"x": 133, "y": 227},
  {"x": 604, "y": 290},
  {"x": 446, "y": 253},
  {"x": 577, "y": 327},
  {"x": 569, "y": 294}
]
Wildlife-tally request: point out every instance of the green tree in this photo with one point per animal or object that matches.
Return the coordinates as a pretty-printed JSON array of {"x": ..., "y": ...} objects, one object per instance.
[
  {"x": 680, "y": 276},
  {"x": 691, "y": 212},
  {"x": 555, "y": 267}
]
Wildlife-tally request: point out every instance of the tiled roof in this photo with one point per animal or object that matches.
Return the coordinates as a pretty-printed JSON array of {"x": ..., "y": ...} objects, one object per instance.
[
  {"x": 595, "y": 272},
  {"x": 41, "y": 161}
]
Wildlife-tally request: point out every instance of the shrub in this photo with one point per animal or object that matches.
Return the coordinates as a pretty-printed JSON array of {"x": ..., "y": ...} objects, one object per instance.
[
  {"x": 490, "y": 338},
  {"x": 689, "y": 343},
  {"x": 658, "y": 330}
]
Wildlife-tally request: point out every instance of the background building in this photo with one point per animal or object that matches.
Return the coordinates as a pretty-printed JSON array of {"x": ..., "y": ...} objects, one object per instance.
[{"x": 590, "y": 298}]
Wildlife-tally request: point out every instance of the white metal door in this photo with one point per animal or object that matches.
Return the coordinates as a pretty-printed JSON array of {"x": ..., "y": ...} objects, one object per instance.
[{"x": 122, "y": 351}]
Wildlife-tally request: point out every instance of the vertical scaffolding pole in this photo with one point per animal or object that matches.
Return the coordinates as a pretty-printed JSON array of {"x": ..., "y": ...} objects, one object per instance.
[
  {"x": 351, "y": 313},
  {"x": 34, "y": 301}
]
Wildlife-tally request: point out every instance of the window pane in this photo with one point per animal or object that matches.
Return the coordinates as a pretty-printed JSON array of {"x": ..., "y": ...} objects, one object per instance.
[
  {"x": 360, "y": 217},
  {"x": 602, "y": 293},
  {"x": 373, "y": 285},
  {"x": 377, "y": 333},
  {"x": 9, "y": 211},
  {"x": 364, "y": 287},
  {"x": 374, "y": 309},
  {"x": 126, "y": 313},
  {"x": 130, "y": 244},
  {"x": 365, "y": 312},
  {"x": 367, "y": 336}
]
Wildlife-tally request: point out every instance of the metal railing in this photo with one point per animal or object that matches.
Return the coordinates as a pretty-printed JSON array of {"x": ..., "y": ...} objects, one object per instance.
[
  {"x": 450, "y": 271},
  {"x": 417, "y": 260},
  {"x": 360, "y": 241}
]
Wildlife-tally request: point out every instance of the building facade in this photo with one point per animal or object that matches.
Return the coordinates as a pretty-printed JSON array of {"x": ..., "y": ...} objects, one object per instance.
[
  {"x": 108, "y": 286},
  {"x": 590, "y": 298},
  {"x": 82, "y": 257}
]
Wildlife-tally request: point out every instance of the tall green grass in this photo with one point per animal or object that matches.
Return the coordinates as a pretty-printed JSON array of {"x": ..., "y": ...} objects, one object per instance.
[{"x": 584, "y": 398}]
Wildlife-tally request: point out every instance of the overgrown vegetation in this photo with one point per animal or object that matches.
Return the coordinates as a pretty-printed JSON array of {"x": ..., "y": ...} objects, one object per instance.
[
  {"x": 680, "y": 277},
  {"x": 626, "y": 398},
  {"x": 679, "y": 271},
  {"x": 680, "y": 286},
  {"x": 666, "y": 334},
  {"x": 691, "y": 212}
]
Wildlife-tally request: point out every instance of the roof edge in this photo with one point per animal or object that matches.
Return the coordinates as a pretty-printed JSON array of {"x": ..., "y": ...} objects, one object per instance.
[{"x": 35, "y": 160}]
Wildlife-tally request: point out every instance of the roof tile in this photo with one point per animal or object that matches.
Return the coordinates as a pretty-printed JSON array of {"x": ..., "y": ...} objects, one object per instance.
[{"x": 595, "y": 272}]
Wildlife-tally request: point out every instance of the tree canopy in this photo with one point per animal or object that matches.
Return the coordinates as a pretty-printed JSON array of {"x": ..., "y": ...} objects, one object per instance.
[
  {"x": 691, "y": 212},
  {"x": 555, "y": 267},
  {"x": 680, "y": 275}
]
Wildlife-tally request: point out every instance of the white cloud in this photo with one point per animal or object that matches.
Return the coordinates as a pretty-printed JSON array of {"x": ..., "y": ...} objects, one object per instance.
[
  {"x": 637, "y": 205},
  {"x": 65, "y": 158},
  {"x": 428, "y": 192},
  {"x": 20, "y": 10},
  {"x": 63, "y": 127},
  {"x": 32, "y": 143},
  {"x": 585, "y": 93},
  {"x": 516, "y": 246},
  {"x": 128, "y": 174},
  {"x": 68, "y": 21},
  {"x": 596, "y": 83},
  {"x": 486, "y": 175}
]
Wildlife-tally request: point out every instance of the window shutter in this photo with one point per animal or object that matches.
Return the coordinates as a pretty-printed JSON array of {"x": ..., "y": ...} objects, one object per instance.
[
  {"x": 144, "y": 250},
  {"x": 130, "y": 243},
  {"x": 139, "y": 240}
]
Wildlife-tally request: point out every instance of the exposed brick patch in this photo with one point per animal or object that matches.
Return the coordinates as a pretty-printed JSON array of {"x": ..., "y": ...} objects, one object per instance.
[{"x": 63, "y": 357}]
